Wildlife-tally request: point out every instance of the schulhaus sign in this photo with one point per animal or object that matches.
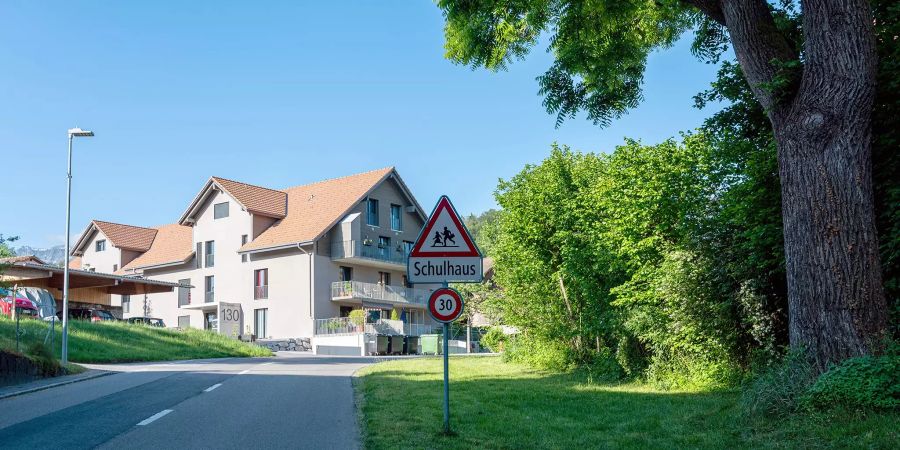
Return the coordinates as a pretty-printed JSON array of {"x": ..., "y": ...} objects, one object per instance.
[{"x": 444, "y": 251}]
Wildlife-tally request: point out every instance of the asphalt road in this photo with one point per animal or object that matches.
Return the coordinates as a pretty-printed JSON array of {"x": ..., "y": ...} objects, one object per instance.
[{"x": 290, "y": 401}]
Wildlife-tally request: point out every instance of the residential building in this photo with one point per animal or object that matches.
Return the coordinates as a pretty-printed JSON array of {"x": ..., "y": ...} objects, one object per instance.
[{"x": 295, "y": 260}]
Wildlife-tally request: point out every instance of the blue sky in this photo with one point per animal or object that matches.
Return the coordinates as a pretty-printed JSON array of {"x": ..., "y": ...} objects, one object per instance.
[{"x": 277, "y": 95}]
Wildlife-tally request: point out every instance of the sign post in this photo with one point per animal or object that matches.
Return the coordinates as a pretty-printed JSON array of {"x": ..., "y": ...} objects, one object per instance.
[{"x": 444, "y": 253}]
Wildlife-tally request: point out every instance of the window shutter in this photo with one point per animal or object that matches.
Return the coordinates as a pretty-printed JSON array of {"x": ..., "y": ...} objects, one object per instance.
[{"x": 199, "y": 255}]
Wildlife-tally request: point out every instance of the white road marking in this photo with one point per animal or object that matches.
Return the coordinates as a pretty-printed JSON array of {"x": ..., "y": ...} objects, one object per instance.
[
  {"x": 248, "y": 370},
  {"x": 212, "y": 387},
  {"x": 244, "y": 372},
  {"x": 152, "y": 418}
]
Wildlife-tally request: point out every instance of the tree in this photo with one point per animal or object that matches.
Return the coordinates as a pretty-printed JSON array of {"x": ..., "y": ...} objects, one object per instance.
[{"x": 814, "y": 75}]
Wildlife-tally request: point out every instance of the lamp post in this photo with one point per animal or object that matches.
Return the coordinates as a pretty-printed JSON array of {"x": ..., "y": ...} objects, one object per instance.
[{"x": 73, "y": 132}]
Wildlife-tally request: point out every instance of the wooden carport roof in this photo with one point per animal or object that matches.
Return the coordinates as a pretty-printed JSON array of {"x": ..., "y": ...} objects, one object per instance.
[{"x": 30, "y": 273}]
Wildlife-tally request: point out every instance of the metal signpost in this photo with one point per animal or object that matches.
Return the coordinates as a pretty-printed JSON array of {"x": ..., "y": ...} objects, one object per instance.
[{"x": 444, "y": 253}]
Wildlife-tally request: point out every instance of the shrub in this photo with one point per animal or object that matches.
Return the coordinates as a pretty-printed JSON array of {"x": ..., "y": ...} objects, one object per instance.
[
  {"x": 778, "y": 390},
  {"x": 358, "y": 317},
  {"x": 540, "y": 353},
  {"x": 681, "y": 370},
  {"x": 494, "y": 339},
  {"x": 869, "y": 382}
]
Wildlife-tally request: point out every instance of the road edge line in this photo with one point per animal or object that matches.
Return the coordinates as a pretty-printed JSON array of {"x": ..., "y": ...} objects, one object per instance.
[{"x": 53, "y": 385}]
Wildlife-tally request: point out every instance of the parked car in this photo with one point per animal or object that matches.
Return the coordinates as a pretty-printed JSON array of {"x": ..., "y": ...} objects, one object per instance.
[
  {"x": 24, "y": 306},
  {"x": 152, "y": 321},
  {"x": 92, "y": 314}
]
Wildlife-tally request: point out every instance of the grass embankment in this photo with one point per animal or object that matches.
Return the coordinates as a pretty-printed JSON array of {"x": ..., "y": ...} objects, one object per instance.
[
  {"x": 107, "y": 342},
  {"x": 501, "y": 405}
]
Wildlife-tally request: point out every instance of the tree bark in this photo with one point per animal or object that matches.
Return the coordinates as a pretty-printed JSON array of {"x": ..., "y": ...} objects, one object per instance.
[{"x": 836, "y": 303}]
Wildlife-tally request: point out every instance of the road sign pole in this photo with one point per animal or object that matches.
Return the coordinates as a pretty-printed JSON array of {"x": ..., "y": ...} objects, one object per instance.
[{"x": 446, "y": 378}]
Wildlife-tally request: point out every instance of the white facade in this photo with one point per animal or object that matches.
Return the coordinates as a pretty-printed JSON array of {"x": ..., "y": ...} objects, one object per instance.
[{"x": 300, "y": 279}]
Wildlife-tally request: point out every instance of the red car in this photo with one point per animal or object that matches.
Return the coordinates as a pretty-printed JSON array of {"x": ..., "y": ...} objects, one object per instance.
[{"x": 26, "y": 307}]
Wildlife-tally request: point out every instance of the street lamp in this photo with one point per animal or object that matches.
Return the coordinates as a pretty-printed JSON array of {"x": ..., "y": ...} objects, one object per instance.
[{"x": 73, "y": 132}]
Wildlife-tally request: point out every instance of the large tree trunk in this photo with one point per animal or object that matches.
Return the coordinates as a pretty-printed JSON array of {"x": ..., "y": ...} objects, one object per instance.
[{"x": 823, "y": 130}]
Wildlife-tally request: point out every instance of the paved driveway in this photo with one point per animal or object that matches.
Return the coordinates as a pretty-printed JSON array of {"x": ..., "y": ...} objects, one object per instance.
[{"x": 290, "y": 401}]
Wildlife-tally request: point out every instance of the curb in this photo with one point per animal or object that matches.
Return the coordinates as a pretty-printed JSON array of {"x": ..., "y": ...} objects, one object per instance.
[{"x": 53, "y": 385}]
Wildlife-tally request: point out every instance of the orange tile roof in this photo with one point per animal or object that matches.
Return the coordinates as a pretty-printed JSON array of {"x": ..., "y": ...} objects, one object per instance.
[
  {"x": 173, "y": 243},
  {"x": 127, "y": 237},
  {"x": 75, "y": 262},
  {"x": 257, "y": 199},
  {"x": 313, "y": 208}
]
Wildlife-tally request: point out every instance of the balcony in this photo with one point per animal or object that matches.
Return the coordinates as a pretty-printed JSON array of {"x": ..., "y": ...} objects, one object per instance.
[
  {"x": 369, "y": 253},
  {"x": 344, "y": 326},
  {"x": 260, "y": 292},
  {"x": 379, "y": 293}
]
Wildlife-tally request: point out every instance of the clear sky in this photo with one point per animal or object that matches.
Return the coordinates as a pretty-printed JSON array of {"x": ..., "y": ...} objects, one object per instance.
[{"x": 276, "y": 94}]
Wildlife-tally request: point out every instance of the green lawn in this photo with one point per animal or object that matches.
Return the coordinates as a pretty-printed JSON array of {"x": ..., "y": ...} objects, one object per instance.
[
  {"x": 499, "y": 405},
  {"x": 103, "y": 342}
]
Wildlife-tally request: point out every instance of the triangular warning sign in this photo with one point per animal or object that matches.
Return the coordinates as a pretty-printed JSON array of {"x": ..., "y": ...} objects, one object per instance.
[{"x": 444, "y": 234}]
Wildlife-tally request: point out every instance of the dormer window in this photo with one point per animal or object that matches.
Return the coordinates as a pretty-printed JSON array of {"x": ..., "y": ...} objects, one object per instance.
[
  {"x": 100, "y": 245},
  {"x": 220, "y": 210}
]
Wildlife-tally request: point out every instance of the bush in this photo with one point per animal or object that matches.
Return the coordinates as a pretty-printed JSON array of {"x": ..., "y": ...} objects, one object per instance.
[
  {"x": 779, "y": 389},
  {"x": 539, "y": 353},
  {"x": 869, "y": 382},
  {"x": 680, "y": 370},
  {"x": 494, "y": 339}
]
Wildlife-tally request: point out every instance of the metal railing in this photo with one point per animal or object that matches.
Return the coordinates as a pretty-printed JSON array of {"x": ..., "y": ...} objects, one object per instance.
[
  {"x": 210, "y": 297},
  {"x": 260, "y": 292},
  {"x": 368, "y": 249},
  {"x": 342, "y": 325},
  {"x": 378, "y": 291}
]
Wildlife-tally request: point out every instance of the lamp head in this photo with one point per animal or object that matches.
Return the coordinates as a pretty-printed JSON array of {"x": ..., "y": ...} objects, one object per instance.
[{"x": 80, "y": 132}]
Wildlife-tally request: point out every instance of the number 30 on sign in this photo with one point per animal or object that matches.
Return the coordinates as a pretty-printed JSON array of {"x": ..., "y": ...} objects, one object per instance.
[{"x": 445, "y": 305}]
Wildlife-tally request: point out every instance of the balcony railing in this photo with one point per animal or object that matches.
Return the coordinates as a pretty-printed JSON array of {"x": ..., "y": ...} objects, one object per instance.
[
  {"x": 379, "y": 292},
  {"x": 260, "y": 292},
  {"x": 342, "y": 325},
  {"x": 210, "y": 297},
  {"x": 367, "y": 249}
]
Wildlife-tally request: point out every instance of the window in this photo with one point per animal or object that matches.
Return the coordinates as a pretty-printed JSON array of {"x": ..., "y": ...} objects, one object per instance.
[
  {"x": 372, "y": 212},
  {"x": 100, "y": 245},
  {"x": 198, "y": 256},
  {"x": 345, "y": 311},
  {"x": 184, "y": 293},
  {"x": 115, "y": 267},
  {"x": 346, "y": 273},
  {"x": 396, "y": 217},
  {"x": 243, "y": 243},
  {"x": 261, "y": 284},
  {"x": 210, "y": 253},
  {"x": 406, "y": 282},
  {"x": 407, "y": 247},
  {"x": 384, "y": 278},
  {"x": 126, "y": 303},
  {"x": 184, "y": 322},
  {"x": 210, "y": 288},
  {"x": 212, "y": 321},
  {"x": 260, "y": 319},
  {"x": 220, "y": 210}
]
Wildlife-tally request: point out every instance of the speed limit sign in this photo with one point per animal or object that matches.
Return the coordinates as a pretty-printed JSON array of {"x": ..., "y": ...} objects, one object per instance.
[{"x": 445, "y": 305}]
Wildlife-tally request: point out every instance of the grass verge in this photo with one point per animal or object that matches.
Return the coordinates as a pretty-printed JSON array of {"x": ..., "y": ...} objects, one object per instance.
[
  {"x": 502, "y": 405},
  {"x": 108, "y": 342}
]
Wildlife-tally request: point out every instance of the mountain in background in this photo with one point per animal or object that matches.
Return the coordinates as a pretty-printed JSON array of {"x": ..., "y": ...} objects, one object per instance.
[{"x": 55, "y": 255}]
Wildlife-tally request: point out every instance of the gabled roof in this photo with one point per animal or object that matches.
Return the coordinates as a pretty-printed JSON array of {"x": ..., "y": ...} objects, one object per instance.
[
  {"x": 23, "y": 258},
  {"x": 125, "y": 237},
  {"x": 173, "y": 245},
  {"x": 314, "y": 208},
  {"x": 255, "y": 199}
]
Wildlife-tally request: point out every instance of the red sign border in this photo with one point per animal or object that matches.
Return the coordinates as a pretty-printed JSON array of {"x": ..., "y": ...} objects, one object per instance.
[
  {"x": 433, "y": 298},
  {"x": 444, "y": 204}
]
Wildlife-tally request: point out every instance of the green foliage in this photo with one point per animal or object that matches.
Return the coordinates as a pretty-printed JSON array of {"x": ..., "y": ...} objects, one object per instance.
[
  {"x": 870, "y": 382},
  {"x": 395, "y": 315},
  {"x": 779, "y": 389},
  {"x": 357, "y": 317},
  {"x": 483, "y": 228},
  {"x": 44, "y": 358},
  {"x": 540, "y": 353},
  {"x": 494, "y": 339},
  {"x": 600, "y": 47}
]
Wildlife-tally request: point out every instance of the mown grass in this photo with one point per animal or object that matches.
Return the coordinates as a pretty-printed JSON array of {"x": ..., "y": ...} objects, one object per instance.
[
  {"x": 107, "y": 342},
  {"x": 502, "y": 405}
]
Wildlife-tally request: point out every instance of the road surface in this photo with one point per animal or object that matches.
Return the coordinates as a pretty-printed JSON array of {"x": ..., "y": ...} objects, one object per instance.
[{"x": 290, "y": 401}]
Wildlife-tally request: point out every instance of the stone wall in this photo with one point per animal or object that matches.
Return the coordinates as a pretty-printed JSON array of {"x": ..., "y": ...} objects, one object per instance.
[
  {"x": 290, "y": 345},
  {"x": 15, "y": 369}
]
